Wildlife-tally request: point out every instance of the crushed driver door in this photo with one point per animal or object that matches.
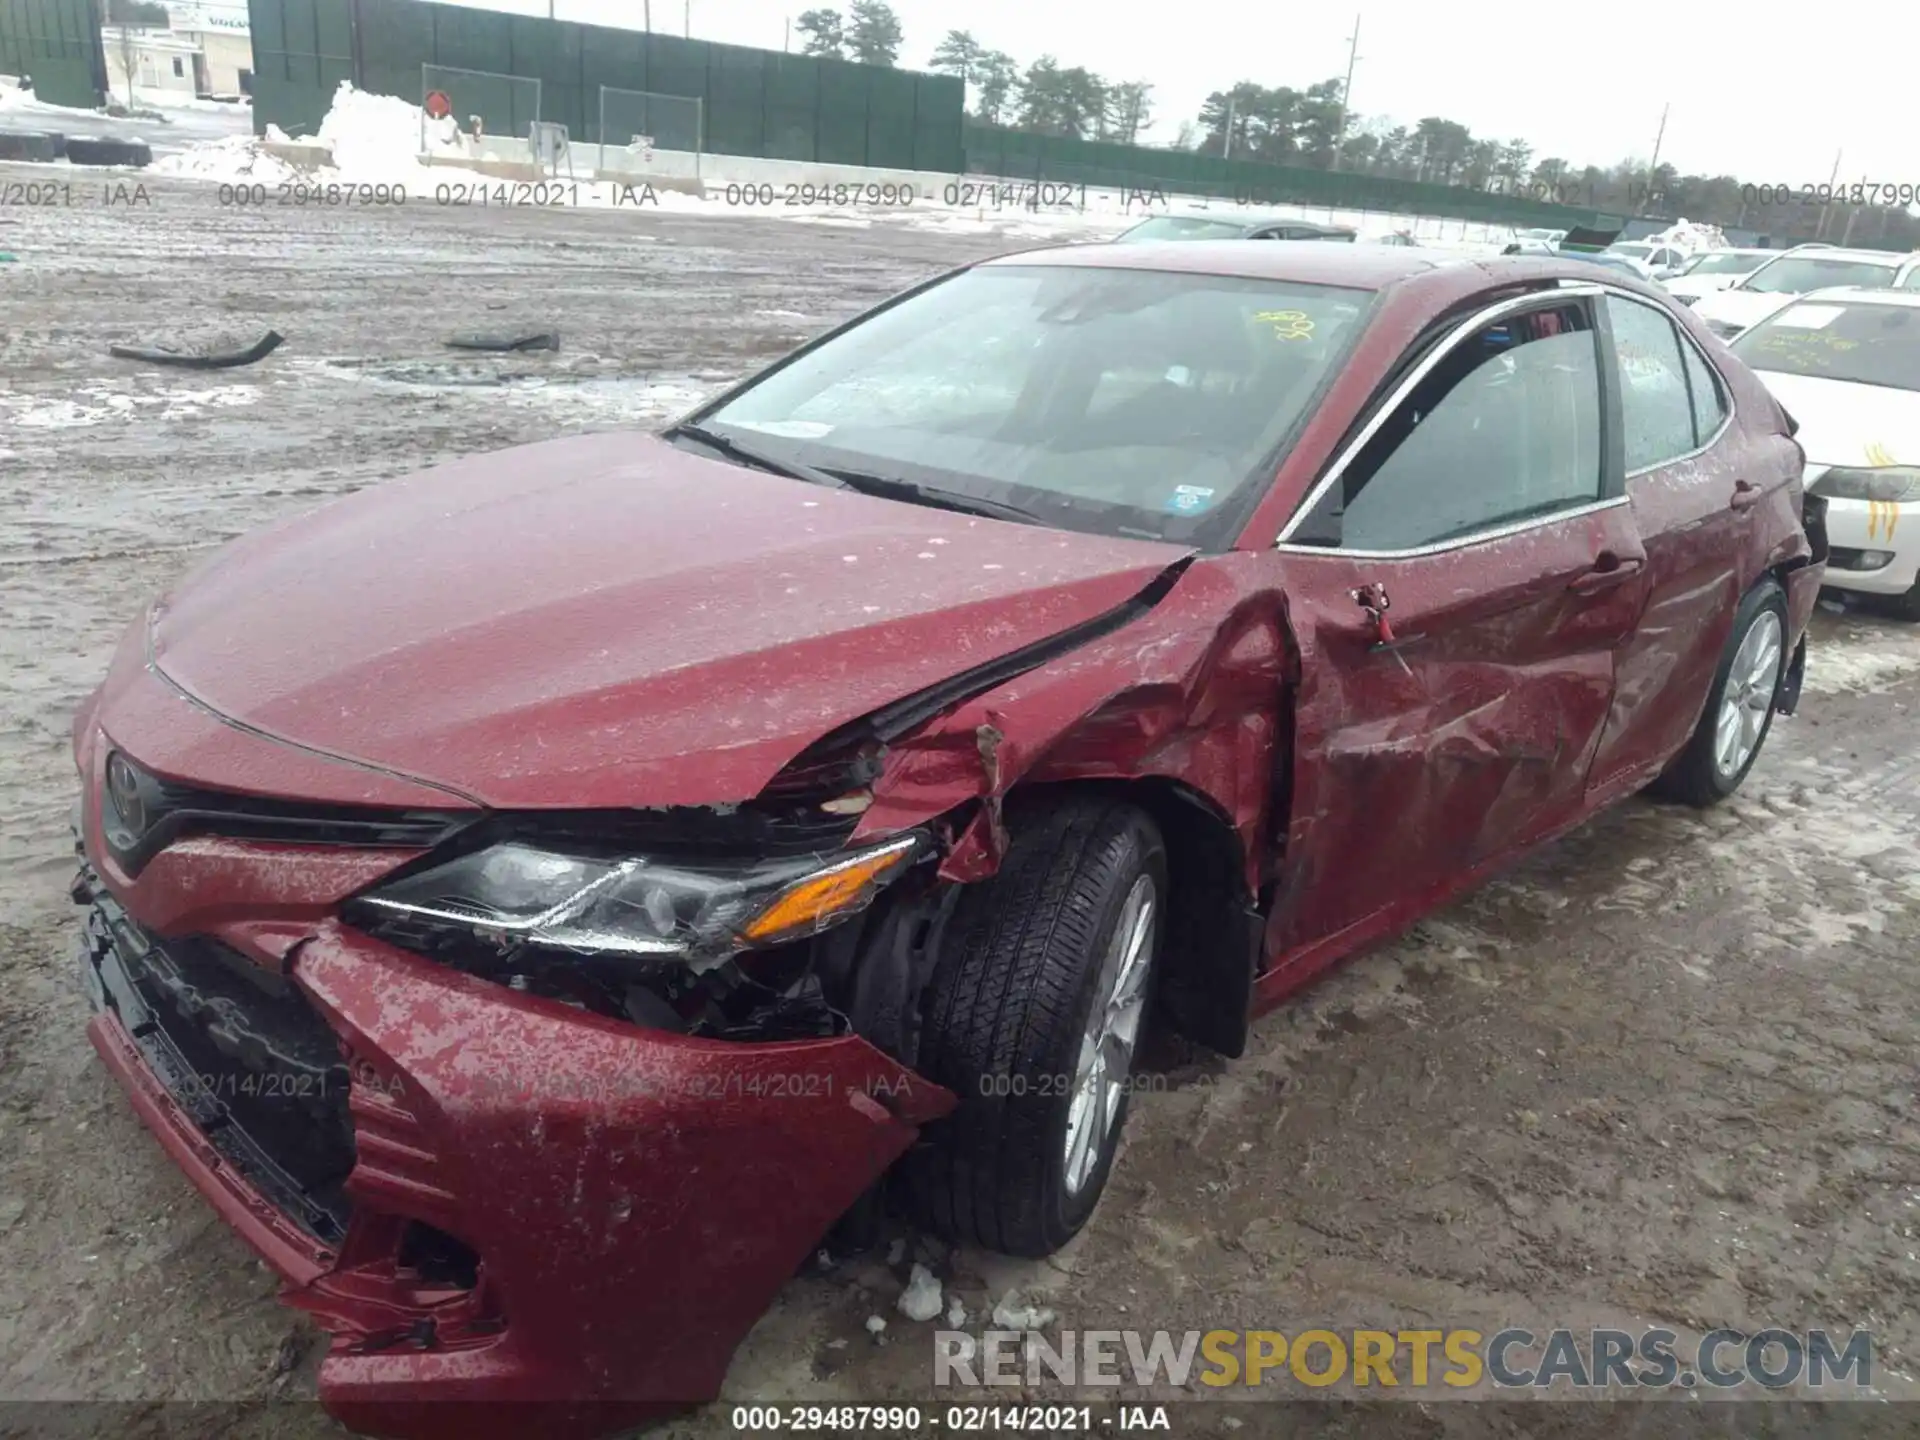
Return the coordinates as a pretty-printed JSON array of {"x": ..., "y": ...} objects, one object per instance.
[{"x": 1458, "y": 584}]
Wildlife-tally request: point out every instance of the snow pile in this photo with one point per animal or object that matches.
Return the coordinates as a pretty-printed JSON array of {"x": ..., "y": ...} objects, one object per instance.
[
  {"x": 236, "y": 159},
  {"x": 1691, "y": 237},
  {"x": 376, "y": 139},
  {"x": 921, "y": 1299}
]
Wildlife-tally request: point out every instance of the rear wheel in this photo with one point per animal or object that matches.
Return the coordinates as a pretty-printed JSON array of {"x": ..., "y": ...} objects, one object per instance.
[
  {"x": 1739, "y": 711},
  {"x": 1032, "y": 1018}
]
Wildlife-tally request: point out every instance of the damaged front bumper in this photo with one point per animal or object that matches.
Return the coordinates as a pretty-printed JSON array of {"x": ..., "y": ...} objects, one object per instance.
[{"x": 487, "y": 1197}]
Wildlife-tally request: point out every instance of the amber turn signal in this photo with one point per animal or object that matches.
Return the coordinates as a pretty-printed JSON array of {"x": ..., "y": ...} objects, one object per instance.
[{"x": 814, "y": 903}]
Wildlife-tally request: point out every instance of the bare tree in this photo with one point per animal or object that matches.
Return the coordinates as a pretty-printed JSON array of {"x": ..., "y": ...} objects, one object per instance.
[{"x": 127, "y": 46}]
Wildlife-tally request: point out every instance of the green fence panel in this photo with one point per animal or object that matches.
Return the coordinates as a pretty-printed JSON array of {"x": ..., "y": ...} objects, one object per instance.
[
  {"x": 890, "y": 119},
  {"x": 754, "y": 102},
  {"x": 842, "y": 112},
  {"x": 793, "y": 103},
  {"x": 939, "y": 107},
  {"x": 468, "y": 39},
  {"x": 57, "y": 43},
  {"x": 736, "y": 100},
  {"x": 675, "y": 66}
]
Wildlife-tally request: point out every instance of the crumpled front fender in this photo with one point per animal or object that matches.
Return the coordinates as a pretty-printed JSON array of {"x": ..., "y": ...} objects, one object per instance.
[{"x": 1190, "y": 692}]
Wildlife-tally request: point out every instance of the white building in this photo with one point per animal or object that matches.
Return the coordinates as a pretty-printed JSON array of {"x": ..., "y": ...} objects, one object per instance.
[
  {"x": 225, "y": 44},
  {"x": 153, "y": 62},
  {"x": 202, "y": 52}
]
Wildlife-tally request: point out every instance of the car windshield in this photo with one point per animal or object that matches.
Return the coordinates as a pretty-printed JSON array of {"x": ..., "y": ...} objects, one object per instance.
[
  {"x": 1801, "y": 273},
  {"x": 1184, "y": 227},
  {"x": 1866, "y": 344},
  {"x": 1722, "y": 263},
  {"x": 1114, "y": 401}
]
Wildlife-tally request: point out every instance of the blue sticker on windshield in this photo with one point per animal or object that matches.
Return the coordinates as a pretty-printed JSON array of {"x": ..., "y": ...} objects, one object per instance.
[{"x": 1189, "y": 499}]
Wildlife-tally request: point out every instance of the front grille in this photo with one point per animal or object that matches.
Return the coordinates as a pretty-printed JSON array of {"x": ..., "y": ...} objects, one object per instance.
[
  {"x": 170, "y": 811},
  {"x": 239, "y": 1049}
]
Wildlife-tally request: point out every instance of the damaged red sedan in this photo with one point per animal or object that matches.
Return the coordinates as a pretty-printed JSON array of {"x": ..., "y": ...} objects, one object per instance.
[{"x": 535, "y": 900}]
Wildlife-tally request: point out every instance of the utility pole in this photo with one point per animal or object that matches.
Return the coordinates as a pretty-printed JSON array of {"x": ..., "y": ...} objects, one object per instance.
[
  {"x": 1226, "y": 143},
  {"x": 1821, "y": 233},
  {"x": 1653, "y": 165},
  {"x": 1353, "y": 56},
  {"x": 786, "y": 42},
  {"x": 687, "y": 19},
  {"x": 646, "y": 14}
]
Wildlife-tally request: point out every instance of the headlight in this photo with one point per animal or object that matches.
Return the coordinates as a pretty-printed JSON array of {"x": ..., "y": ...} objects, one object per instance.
[
  {"x": 1893, "y": 482},
  {"x": 512, "y": 894}
]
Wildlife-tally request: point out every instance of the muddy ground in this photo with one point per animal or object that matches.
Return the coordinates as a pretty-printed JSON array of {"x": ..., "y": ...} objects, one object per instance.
[{"x": 1663, "y": 1074}]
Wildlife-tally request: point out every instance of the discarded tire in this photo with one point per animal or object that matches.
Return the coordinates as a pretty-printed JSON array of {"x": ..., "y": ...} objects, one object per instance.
[
  {"x": 31, "y": 146},
  {"x": 532, "y": 340},
  {"x": 109, "y": 152},
  {"x": 215, "y": 357}
]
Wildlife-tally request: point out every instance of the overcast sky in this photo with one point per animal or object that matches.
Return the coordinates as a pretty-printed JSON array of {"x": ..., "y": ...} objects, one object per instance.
[{"x": 1766, "y": 95}]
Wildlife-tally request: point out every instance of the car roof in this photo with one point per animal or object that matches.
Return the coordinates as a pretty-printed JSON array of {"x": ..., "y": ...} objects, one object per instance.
[
  {"x": 1826, "y": 252},
  {"x": 1245, "y": 220},
  {"x": 1859, "y": 295},
  {"x": 1366, "y": 267},
  {"x": 1360, "y": 267}
]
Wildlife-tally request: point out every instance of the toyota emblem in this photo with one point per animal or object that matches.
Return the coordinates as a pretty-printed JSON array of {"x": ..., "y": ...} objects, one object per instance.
[{"x": 129, "y": 802}]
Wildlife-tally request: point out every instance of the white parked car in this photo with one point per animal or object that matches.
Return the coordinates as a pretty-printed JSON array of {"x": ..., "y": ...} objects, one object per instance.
[
  {"x": 1656, "y": 259},
  {"x": 1713, "y": 270},
  {"x": 1846, "y": 365},
  {"x": 1798, "y": 271}
]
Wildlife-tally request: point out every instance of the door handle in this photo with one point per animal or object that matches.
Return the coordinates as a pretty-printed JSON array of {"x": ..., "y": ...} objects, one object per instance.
[
  {"x": 1609, "y": 570},
  {"x": 1745, "y": 495}
]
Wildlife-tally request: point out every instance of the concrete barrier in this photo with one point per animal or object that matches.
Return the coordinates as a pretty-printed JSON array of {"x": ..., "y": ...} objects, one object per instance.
[
  {"x": 301, "y": 154},
  {"x": 492, "y": 166}
]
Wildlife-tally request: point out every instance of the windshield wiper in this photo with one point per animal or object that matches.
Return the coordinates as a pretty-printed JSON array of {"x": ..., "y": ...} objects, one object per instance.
[
  {"x": 753, "y": 455},
  {"x": 889, "y": 488}
]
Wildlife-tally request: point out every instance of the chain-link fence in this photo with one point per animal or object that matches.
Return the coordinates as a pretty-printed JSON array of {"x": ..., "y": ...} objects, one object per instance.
[
  {"x": 452, "y": 98},
  {"x": 644, "y": 133}
]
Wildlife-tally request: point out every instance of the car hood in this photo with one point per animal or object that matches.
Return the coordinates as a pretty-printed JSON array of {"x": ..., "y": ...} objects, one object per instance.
[
  {"x": 1739, "y": 307},
  {"x": 610, "y": 621},
  {"x": 1842, "y": 423},
  {"x": 1688, "y": 286}
]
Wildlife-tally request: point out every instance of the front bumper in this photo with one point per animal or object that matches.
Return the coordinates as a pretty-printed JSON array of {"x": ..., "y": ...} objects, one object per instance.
[
  {"x": 1884, "y": 526},
  {"x": 561, "y": 1223}
]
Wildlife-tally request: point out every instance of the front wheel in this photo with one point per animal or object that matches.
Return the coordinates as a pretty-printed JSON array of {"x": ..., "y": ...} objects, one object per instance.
[
  {"x": 1032, "y": 1018},
  {"x": 1740, "y": 706}
]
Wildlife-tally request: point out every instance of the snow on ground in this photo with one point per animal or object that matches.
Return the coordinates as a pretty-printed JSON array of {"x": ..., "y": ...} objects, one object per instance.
[
  {"x": 236, "y": 159},
  {"x": 377, "y": 140}
]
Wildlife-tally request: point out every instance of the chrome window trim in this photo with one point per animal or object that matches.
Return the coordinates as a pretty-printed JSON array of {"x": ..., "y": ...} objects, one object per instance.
[
  {"x": 1478, "y": 537},
  {"x": 1472, "y": 323},
  {"x": 1726, "y": 390}
]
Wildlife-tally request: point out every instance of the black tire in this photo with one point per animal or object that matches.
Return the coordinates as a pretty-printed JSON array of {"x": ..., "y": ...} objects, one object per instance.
[
  {"x": 1906, "y": 606},
  {"x": 1020, "y": 972},
  {"x": 33, "y": 146},
  {"x": 86, "y": 151},
  {"x": 1695, "y": 776}
]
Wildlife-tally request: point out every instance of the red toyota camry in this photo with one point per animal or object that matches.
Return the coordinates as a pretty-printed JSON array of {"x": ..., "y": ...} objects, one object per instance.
[{"x": 536, "y": 899}]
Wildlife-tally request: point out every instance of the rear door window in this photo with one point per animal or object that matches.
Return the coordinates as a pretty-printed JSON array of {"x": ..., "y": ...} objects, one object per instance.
[
  {"x": 1708, "y": 392},
  {"x": 1656, "y": 408}
]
